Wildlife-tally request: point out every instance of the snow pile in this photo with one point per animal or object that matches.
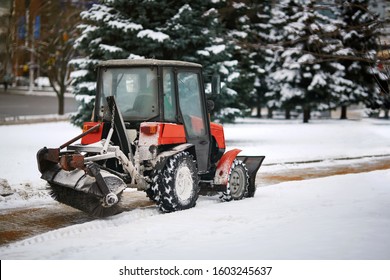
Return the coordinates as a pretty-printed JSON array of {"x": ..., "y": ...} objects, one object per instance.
[
  {"x": 5, "y": 189},
  {"x": 18, "y": 165}
]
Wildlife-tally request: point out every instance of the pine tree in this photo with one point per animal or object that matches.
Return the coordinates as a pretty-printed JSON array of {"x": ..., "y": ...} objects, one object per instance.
[
  {"x": 359, "y": 37},
  {"x": 279, "y": 18},
  {"x": 236, "y": 19},
  {"x": 103, "y": 33},
  {"x": 247, "y": 27},
  {"x": 263, "y": 55},
  {"x": 206, "y": 42},
  {"x": 182, "y": 30},
  {"x": 304, "y": 76},
  {"x": 290, "y": 74}
]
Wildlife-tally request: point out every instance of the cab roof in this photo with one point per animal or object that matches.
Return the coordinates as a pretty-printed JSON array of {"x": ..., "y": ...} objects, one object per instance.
[{"x": 147, "y": 62}]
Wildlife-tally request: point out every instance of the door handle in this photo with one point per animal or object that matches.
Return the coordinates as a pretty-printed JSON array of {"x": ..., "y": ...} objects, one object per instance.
[{"x": 203, "y": 142}]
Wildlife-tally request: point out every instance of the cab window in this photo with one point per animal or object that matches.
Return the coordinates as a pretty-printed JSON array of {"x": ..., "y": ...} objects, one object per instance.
[
  {"x": 135, "y": 91},
  {"x": 169, "y": 95},
  {"x": 190, "y": 103}
]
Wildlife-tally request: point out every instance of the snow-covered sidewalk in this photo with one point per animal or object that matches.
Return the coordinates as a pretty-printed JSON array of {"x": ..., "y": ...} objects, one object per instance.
[{"x": 338, "y": 217}]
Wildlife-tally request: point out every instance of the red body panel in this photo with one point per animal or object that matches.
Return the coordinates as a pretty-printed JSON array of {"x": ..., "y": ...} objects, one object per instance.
[
  {"x": 92, "y": 137},
  {"x": 172, "y": 134},
  {"x": 153, "y": 133},
  {"x": 217, "y": 132},
  {"x": 168, "y": 133}
]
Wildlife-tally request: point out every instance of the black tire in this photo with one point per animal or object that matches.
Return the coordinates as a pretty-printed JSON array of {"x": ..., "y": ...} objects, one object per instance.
[
  {"x": 251, "y": 189},
  {"x": 177, "y": 183},
  {"x": 238, "y": 182},
  {"x": 151, "y": 194}
]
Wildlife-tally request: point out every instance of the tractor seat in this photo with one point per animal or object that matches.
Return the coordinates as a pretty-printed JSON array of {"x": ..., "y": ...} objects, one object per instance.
[{"x": 145, "y": 105}]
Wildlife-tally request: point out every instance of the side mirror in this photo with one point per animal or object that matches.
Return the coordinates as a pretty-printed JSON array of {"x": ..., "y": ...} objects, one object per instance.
[{"x": 216, "y": 84}]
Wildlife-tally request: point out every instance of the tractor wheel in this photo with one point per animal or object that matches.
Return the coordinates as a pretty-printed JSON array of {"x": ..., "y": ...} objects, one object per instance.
[
  {"x": 238, "y": 182},
  {"x": 177, "y": 183},
  {"x": 151, "y": 194}
]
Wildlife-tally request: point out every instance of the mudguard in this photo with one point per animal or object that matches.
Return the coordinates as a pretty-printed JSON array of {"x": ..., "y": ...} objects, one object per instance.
[
  {"x": 223, "y": 167},
  {"x": 162, "y": 157}
]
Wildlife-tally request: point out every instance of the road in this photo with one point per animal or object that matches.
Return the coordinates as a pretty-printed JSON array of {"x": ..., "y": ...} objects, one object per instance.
[
  {"x": 16, "y": 103},
  {"x": 22, "y": 223}
]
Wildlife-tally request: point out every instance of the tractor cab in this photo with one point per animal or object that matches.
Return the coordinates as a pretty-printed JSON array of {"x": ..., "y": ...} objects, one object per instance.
[{"x": 167, "y": 92}]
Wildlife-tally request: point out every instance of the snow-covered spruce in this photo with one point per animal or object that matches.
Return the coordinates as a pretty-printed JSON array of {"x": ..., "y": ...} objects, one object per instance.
[
  {"x": 238, "y": 182},
  {"x": 176, "y": 186}
]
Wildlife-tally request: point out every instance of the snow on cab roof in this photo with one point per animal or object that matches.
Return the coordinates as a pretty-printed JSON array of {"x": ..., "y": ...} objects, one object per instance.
[{"x": 147, "y": 62}]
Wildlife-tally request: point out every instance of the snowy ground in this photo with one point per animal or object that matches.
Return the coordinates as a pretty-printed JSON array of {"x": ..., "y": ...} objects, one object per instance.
[{"x": 339, "y": 217}]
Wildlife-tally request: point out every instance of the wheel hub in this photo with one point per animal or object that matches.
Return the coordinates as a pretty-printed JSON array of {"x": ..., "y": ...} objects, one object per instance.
[
  {"x": 237, "y": 183},
  {"x": 183, "y": 183}
]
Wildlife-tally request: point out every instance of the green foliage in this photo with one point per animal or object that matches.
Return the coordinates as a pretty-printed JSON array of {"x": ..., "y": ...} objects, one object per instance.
[
  {"x": 178, "y": 30},
  {"x": 359, "y": 34},
  {"x": 286, "y": 55}
]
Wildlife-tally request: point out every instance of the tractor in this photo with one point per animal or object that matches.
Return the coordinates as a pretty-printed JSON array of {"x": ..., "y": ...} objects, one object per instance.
[{"x": 150, "y": 130}]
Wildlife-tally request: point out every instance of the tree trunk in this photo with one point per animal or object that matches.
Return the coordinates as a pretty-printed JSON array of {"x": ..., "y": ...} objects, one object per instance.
[
  {"x": 258, "y": 114},
  {"x": 258, "y": 105},
  {"x": 61, "y": 103},
  {"x": 287, "y": 114},
  {"x": 306, "y": 114},
  {"x": 343, "y": 115},
  {"x": 386, "y": 114},
  {"x": 269, "y": 114}
]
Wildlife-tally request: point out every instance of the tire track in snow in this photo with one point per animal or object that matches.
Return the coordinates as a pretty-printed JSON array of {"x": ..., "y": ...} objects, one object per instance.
[
  {"x": 26, "y": 222},
  {"x": 83, "y": 228}
]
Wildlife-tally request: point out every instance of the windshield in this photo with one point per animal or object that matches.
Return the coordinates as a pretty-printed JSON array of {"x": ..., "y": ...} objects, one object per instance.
[{"x": 135, "y": 91}]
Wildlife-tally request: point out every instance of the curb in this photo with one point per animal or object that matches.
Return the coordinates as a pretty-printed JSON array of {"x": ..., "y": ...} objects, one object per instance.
[
  {"x": 15, "y": 120},
  {"x": 36, "y": 91}
]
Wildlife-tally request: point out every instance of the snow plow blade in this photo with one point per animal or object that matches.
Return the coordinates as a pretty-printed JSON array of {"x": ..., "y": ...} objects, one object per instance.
[
  {"x": 253, "y": 164},
  {"x": 93, "y": 191}
]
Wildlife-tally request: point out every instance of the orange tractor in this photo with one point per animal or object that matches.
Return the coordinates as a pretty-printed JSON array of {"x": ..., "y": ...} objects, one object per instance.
[{"x": 150, "y": 130}]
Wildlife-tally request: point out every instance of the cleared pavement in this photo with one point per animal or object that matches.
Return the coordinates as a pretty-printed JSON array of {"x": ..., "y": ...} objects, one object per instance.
[{"x": 18, "y": 105}]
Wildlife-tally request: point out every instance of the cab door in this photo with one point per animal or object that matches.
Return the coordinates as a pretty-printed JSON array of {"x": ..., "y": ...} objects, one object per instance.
[{"x": 191, "y": 101}]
